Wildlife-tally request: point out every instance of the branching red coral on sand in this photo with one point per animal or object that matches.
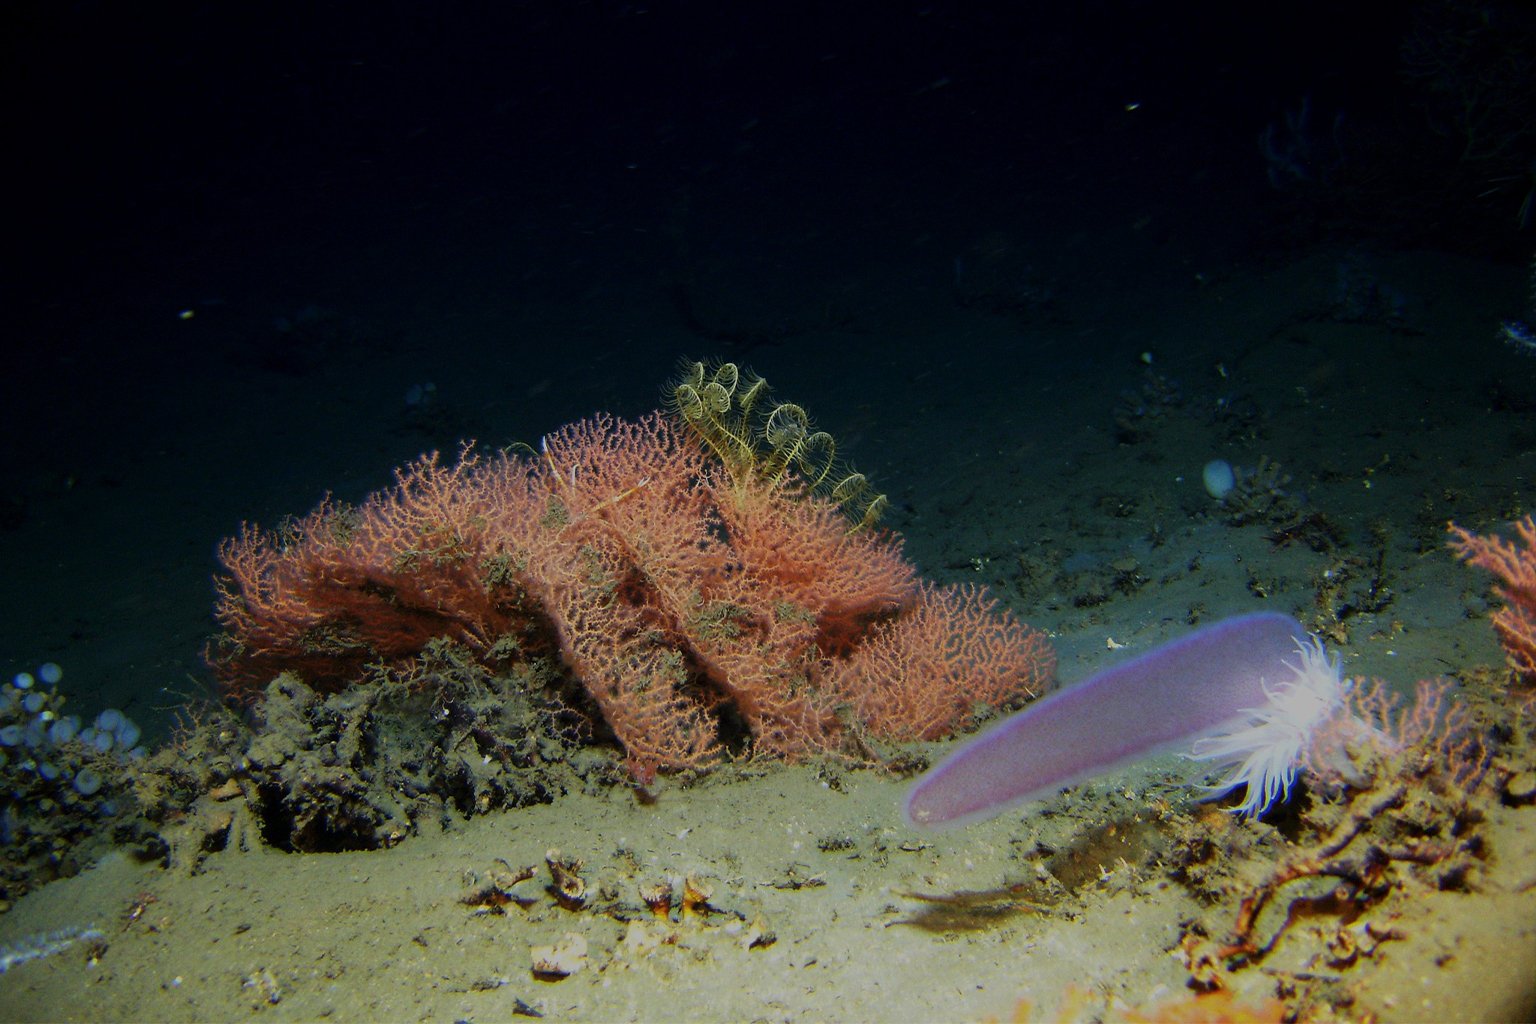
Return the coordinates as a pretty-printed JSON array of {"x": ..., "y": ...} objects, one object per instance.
[
  {"x": 681, "y": 592},
  {"x": 1515, "y": 566},
  {"x": 1396, "y": 787}
]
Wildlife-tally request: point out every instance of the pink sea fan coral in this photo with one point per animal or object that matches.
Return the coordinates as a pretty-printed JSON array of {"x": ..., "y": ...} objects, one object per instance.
[
  {"x": 952, "y": 657},
  {"x": 1376, "y": 721},
  {"x": 1515, "y": 566}
]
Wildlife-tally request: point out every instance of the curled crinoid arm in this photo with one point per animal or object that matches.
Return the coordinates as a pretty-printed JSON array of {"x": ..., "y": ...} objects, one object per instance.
[
  {"x": 719, "y": 403},
  {"x": 719, "y": 392},
  {"x": 854, "y": 490},
  {"x": 786, "y": 430},
  {"x": 793, "y": 447},
  {"x": 768, "y": 443},
  {"x": 688, "y": 402},
  {"x": 817, "y": 460}
]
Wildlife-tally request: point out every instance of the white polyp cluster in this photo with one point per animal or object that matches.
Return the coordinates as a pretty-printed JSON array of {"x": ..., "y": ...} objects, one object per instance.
[
  {"x": 37, "y": 738},
  {"x": 1269, "y": 749}
]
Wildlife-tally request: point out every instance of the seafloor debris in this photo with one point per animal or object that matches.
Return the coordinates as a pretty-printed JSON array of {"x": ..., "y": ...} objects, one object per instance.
[
  {"x": 492, "y": 894},
  {"x": 1079, "y": 1004},
  {"x": 693, "y": 914},
  {"x": 1394, "y": 813},
  {"x": 569, "y": 888}
]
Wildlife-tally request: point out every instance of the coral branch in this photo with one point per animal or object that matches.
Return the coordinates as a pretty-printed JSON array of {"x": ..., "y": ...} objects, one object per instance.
[
  {"x": 1324, "y": 860},
  {"x": 1515, "y": 566},
  {"x": 951, "y": 659},
  {"x": 342, "y": 588}
]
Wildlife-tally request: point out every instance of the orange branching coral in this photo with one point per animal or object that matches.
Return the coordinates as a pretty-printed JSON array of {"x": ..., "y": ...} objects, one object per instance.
[
  {"x": 678, "y": 595},
  {"x": 344, "y": 587},
  {"x": 1397, "y": 783},
  {"x": 1515, "y": 566},
  {"x": 950, "y": 659},
  {"x": 1375, "y": 724}
]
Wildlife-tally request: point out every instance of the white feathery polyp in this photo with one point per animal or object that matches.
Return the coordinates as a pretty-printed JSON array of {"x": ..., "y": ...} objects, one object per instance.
[{"x": 1269, "y": 749}]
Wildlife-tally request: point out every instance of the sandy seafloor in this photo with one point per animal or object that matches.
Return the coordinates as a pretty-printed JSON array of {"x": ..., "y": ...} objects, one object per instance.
[{"x": 1000, "y": 457}]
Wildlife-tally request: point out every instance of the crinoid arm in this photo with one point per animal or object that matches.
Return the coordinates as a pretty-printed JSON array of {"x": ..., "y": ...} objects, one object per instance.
[
  {"x": 794, "y": 447},
  {"x": 767, "y": 442},
  {"x": 718, "y": 402},
  {"x": 857, "y": 497}
]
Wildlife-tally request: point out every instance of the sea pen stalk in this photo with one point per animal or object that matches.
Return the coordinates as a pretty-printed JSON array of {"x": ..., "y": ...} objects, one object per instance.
[
  {"x": 35, "y": 947},
  {"x": 1209, "y": 683}
]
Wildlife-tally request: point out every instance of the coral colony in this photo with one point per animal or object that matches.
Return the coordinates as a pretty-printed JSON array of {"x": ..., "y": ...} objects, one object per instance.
[
  {"x": 62, "y": 779},
  {"x": 694, "y": 571},
  {"x": 58, "y": 759},
  {"x": 1515, "y": 566},
  {"x": 1250, "y": 691}
]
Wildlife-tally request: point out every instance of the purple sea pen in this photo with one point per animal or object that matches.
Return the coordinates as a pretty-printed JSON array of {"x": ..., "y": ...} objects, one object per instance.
[{"x": 1213, "y": 682}]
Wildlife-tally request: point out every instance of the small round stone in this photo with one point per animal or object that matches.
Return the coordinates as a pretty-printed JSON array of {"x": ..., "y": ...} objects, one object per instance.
[{"x": 1521, "y": 787}]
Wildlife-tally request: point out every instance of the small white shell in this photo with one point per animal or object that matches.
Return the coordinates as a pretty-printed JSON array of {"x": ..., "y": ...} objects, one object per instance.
[{"x": 561, "y": 960}]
